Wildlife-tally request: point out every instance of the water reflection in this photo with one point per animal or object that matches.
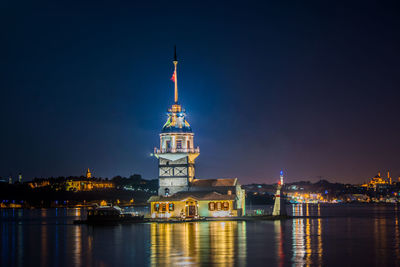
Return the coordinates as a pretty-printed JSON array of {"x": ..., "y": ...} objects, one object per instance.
[
  {"x": 77, "y": 245},
  {"x": 49, "y": 238},
  {"x": 43, "y": 250},
  {"x": 279, "y": 240},
  {"x": 319, "y": 240},
  {"x": 379, "y": 234},
  {"x": 220, "y": 243},
  {"x": 306, "y": 237},
  {"x": 396, "y": 232}
]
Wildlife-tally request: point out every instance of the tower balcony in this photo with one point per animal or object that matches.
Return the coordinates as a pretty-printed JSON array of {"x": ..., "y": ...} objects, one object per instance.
[{"x": 176, "y": 150}]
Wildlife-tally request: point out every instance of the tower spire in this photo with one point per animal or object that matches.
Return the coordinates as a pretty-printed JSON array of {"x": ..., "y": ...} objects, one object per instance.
[
  {"x": 175, "y": 76},
  {"x": 175, "y": 53}
]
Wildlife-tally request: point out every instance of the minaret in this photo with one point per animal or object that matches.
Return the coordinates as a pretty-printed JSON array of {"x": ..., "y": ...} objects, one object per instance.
[
  {"x": 177, "y": 153},
  {"x": 279, "y": 206},
  {"x": 88, "y": 174}
]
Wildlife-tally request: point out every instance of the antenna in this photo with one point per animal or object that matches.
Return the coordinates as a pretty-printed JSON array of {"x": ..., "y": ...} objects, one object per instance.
[{"x": 175, "y": 58}]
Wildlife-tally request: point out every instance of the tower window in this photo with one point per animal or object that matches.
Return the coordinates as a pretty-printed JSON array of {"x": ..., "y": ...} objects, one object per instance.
[
  {"x": 168, "y": 144},
  {"x": 178, "y": 144},
  {"x": 188, "y": 144}
]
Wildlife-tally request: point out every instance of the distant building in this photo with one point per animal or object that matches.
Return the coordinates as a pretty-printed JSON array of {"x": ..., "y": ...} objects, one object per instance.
[
  {"x": 378, "y": 181},
  {"x": 39, "y": 183},
  {"x": 88, "y": 183},
  {"x": 20, "y": 178},
  {"x": 180, "y": 194}
]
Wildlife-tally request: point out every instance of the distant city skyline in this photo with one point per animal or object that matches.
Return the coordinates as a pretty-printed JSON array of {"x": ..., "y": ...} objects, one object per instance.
[{"x": 310, "y": 90}]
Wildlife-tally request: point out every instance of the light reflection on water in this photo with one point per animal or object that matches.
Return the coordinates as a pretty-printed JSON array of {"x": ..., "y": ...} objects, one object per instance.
[
  {"x": 370, "y": 234},
  {"x": 221, "y": 243}
]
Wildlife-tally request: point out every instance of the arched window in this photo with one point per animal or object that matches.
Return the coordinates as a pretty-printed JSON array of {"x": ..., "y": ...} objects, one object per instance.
[
  {"x": 156, "y": 206},
  {"x": 219, "y": 205},
  {"x": 226, "y": 205},
  {"x": 211, "y": 206},
  {"x": 171, "y": 206},
  {"x": 163, "y": 207},
  {"x": 166, "y": 191}
]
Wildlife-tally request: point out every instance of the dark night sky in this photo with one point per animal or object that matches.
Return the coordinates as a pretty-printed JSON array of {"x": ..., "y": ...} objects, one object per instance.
[{"x": 310, "y": 88}]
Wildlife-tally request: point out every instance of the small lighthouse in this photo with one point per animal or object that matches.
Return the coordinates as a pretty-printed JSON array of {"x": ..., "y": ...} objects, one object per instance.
[{"x": 279, "y": 206}]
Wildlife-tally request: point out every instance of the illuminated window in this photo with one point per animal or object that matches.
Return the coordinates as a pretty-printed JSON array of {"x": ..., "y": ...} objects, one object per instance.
[
  {"x": 219, "y": 205},
  {"x": 156, "y": 207},
  {"x": 178, "y": 144},
  {"x": 166, "y": 191},
  {"x": 171, "y": 207},
  {"x": 226, "y": 205},
  {"x": 211, "y": 206},
  {"x": 163, "y": 207}
]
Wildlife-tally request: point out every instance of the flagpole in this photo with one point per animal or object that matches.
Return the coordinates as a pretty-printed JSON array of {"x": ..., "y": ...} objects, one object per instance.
[{"x": 176, "y": 78}]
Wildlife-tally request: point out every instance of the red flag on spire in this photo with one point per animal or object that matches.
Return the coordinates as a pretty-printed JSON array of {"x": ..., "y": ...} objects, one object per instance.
[{"x": 173, "y": 77}]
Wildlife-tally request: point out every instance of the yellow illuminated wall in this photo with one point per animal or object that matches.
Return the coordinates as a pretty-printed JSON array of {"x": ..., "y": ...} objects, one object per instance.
[{"x": 202, "y": 208}]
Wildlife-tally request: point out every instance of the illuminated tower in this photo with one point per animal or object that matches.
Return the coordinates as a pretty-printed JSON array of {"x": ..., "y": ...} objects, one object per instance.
[
  {"x": 20, "y": 178},
  {"x": 88, "y": 174},
  {"x": 279, "y": 206},
  {"x": 10, "y": 180},
  {"x": 177, "y": 153}
]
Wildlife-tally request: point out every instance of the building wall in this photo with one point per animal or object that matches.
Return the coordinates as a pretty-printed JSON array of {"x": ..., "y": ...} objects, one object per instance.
[
  {"x": 202, "y": 209},
  {"x": 240, "y": 200},
  {"x": 173, "y": 174},
  {"x": 205, "y": 212}
]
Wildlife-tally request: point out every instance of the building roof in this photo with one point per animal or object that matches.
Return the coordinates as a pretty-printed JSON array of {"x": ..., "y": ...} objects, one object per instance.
[
  {"x": 213, "y": 182},
  {"x": 199, "y": 195}
]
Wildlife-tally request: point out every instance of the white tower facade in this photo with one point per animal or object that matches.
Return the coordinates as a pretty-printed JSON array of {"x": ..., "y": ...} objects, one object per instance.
[
  {"x": 176, "y": 154},
  {"x": 279, "y": 206}
]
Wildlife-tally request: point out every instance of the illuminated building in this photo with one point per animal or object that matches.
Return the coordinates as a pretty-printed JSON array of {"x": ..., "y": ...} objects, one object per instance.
[
  {"x": 378, "y": 181},
  {"x": 20, "y": 178},
  {"x": 39, "y": 183},
  {"x": 180, "y": 194},
  {"x": 88, "y": 183}
]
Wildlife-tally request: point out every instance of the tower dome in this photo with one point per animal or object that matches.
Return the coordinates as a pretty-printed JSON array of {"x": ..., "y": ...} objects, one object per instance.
[{"x": 176, "y": 122}]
